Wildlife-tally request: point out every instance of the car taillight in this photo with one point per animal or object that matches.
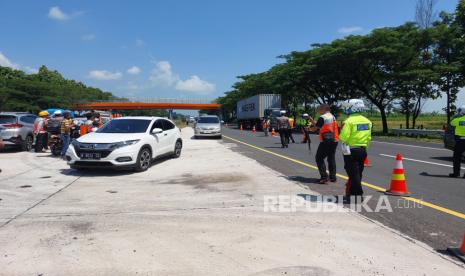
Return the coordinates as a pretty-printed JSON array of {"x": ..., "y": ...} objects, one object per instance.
[{"x": 13, "y": 126}]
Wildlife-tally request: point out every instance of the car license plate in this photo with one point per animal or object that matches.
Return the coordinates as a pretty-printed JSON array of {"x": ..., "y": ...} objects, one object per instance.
[{"x": 90, "y": 155}]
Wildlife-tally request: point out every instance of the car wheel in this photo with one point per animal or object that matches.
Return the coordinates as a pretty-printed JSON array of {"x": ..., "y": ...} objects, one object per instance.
[
  {"x": 27, "y": 143},
  {"x": 177, "y": 149},
  {"x": 144, "y": 159},
  {"x": 220, "y": 137}
]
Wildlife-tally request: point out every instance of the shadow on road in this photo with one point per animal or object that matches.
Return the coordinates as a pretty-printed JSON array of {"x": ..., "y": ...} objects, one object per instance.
[
  {"x": 303, "y": 179},
  {"x": 434, "y": 175}
]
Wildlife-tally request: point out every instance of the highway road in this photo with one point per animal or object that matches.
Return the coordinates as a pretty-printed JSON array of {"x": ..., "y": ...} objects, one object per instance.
[{"x": 435, "y": 213}]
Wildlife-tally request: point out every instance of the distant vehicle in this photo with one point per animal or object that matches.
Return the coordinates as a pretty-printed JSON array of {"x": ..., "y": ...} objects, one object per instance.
[
  {"x": 208, "y": 126},
  {"x": 252, "y": 111},
  {"x": 191, "y": 120},
  {"x": 16, "y": 129},
  {"x": 129, "y": 142}
]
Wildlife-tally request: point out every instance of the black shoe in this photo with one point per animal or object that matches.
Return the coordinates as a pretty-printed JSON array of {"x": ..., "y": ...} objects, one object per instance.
[
  {"x": 333, "y": 179},
  {"x": 454, "y": 175},
  {"x": 323, "y": 180}
]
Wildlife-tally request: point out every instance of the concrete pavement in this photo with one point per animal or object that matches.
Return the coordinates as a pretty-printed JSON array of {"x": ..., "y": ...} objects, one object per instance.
[{"x": 202, "y": 214}]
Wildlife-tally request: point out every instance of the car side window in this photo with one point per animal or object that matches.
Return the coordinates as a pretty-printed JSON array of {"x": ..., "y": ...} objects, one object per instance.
[
  {"x": 27, "y": 119},
  {"x": 157, "y": 124},
  {"x": 167, "y": 125}
]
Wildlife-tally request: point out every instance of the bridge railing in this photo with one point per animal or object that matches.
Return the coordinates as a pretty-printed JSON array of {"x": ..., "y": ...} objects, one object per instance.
[{"x": 152, "y": 99}]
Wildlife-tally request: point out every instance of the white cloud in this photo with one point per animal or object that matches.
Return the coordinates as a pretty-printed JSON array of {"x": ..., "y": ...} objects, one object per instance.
[
  {"x": 195, "y": 84},
  {"x": 57, "y": 14},
  {"x": 163, "y": 75},
  {"x": 104, "y": 75},
  {"x": 31, "y": 70},
  {"x": 5, "y": 62},
  {"x": 350, "y": 30},
  {"x": 88, "y": 37},
  {"x": 134, "y": 70}
]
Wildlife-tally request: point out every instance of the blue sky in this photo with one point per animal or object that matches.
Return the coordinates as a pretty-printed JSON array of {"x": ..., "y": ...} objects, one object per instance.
[{"x": 180, "y": 48}]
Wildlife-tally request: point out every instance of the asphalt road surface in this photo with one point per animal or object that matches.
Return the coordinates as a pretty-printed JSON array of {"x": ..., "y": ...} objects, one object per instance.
[{"x": 435, "y": 212}]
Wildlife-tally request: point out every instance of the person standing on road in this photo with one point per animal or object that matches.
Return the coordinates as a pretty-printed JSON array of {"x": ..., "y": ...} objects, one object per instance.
[
  {"x": 355, "y": 137},
  {"x": 308, "y": 123},
  {"x": 283, "y": 126},
  {"x": 65, "y": 132},
  {"x": 39, "y": 131},
  {"x": 289, "y": 130},
  {"x": 266, "y": 125},
  {"x": 329, "y": 137},
  {"x": 459, "y": 133}
]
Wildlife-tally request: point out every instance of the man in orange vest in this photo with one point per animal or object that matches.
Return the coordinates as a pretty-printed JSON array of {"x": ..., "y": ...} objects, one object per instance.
[
  {"x": 329, "y": 137},
  {"x": 289, "y": 130}
]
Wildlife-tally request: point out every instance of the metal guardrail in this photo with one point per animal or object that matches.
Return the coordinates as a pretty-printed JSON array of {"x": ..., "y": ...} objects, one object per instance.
[
  {"x": 154, "y": 99},
  {"x": 418, "y": 132}
]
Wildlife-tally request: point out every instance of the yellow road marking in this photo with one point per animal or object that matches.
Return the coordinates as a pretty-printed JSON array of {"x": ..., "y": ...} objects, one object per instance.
[{"x": 374, "y": 187}]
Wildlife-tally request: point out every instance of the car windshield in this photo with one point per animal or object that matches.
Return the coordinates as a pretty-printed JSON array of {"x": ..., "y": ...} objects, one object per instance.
[
  {"x": 208, "y": 120},
  {"x": 7, "y": 119},
  {"x": 125, "y": 126}
]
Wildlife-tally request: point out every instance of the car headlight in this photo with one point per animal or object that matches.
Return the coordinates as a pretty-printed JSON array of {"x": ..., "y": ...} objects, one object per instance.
[{"x": 124, "y": 144}]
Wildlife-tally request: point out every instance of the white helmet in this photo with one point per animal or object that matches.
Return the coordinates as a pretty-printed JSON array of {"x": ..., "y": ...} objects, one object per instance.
[
  {"x": 57, "y": 113},
  {"x": 282, "y": 112},
  {"x": 305, "y": 115},
  {"x": 461, "y": 110},
  {"x": 353, "y": 106}
]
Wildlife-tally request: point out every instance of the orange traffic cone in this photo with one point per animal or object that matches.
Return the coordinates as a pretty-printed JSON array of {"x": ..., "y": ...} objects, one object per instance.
[
  {"x": 366, "y": 163},
  {"x": 242, "y": 128},
  {"x": 273, "y": 133},
  {"x": 398, "y": 185},
  {"x": 459, "y": 252},
  {"x": 253, "y": 129}
]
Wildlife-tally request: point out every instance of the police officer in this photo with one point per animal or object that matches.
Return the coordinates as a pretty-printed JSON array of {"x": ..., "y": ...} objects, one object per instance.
[
  {"x": 355, "y": 137},
  {"x": 289, "y": 130},
  {"x": 283, "y": 126},
  {"x": 459, "y": 132},
  {"x": 308, "y": 122},
  {"x": 329, "y": 137}
]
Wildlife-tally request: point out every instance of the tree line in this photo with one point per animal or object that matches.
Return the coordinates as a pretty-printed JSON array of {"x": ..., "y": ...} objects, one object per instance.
[
  {"x": 393, "y": 67},
  {"x": 45, "y": 89}
]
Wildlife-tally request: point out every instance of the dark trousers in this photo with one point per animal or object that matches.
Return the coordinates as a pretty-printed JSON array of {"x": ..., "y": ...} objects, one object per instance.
[
  {"x": 326, "y": 150},
  {"x": 353, "y": 164},
  {"x": 459, "y": 149},
  {"x": 289, "y": 136},
  {"x": 41, "y": 142},
  {"x": 283, "y": 136}
]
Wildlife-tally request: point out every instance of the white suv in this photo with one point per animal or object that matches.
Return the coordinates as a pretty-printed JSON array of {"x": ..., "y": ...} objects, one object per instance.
[{"x": 126, "y": 142}]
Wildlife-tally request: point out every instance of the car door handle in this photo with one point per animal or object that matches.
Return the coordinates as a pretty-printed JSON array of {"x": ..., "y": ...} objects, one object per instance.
[{"x": 166, "y": 134}]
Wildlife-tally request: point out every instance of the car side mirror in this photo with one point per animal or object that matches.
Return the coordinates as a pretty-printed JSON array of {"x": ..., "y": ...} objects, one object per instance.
[
  {"x": 157, "y": 130},
  {"x": 222, "y": 122}
]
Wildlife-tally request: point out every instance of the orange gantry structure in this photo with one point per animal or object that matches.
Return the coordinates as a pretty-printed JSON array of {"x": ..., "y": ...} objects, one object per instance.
[{"x": 143, "y": 105}]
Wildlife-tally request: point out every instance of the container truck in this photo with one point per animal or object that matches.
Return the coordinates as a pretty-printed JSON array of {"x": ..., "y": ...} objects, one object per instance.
[{"x": 252, "y": 111}]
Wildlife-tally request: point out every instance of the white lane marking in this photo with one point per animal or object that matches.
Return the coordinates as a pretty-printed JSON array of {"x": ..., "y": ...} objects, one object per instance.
[
  {"x": 413, "y": 146},
  {"x": 420, "y": 161}
]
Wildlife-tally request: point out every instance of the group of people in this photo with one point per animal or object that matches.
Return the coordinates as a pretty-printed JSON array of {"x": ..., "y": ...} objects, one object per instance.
[
  {"x": 355, "y": 137},
  {"x": 65, "y": 125}
]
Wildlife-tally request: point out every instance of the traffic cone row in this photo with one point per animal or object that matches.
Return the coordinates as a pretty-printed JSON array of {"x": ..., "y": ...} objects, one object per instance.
[
  {"x": 459, "y": 252},
  {"x": 398, "y": 184}
]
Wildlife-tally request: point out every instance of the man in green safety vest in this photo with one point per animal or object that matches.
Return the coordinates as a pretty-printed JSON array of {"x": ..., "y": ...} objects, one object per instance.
[
  {"x": 355, "y": 137},
  {"x": 459, "y": 132}
]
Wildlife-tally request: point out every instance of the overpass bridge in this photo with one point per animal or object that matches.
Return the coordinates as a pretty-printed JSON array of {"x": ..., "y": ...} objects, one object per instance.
[{"x": 153, "y": 103}]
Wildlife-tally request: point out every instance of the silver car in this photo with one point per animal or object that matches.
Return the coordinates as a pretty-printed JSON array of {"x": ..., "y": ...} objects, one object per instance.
[
  {"x": 16, "y": 129},
  {"x": 208, "y": 126}
]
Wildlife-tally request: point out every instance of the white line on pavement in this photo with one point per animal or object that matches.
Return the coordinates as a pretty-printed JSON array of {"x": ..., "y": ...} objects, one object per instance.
[
  {"x": 421, "y": 161},
  {"x": 406, "y": 145}
]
